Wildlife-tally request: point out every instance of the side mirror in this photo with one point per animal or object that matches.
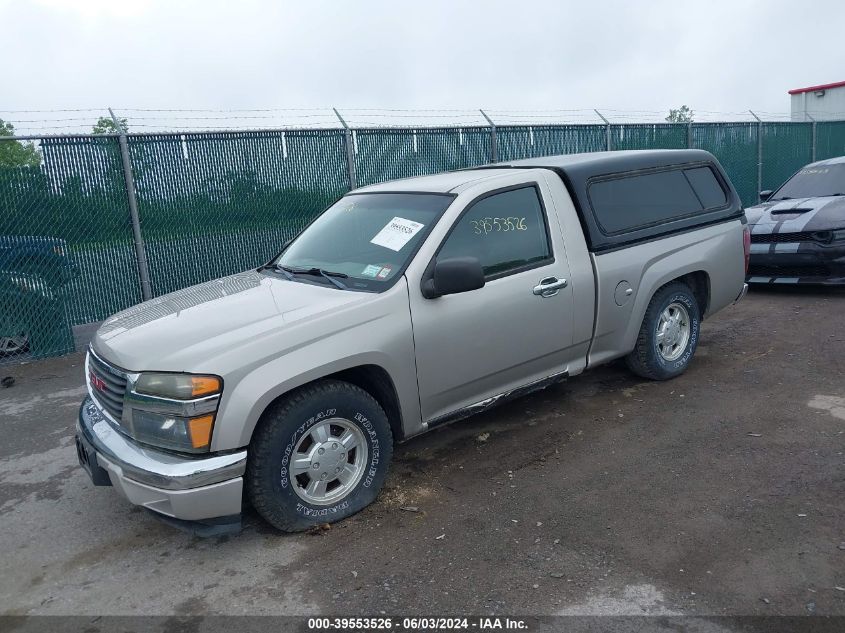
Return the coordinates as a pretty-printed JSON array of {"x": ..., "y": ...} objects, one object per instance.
[
  {"x": 452, "y": 276},
  {"x": 765, "y": 195}
]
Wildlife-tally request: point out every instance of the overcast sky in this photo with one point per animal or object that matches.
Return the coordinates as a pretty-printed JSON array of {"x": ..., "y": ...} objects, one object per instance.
[{"x": 717, "y": 56}]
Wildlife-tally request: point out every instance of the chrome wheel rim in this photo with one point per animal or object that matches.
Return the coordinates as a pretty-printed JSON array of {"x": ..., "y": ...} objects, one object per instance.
[
  {"x": 328, "y": 461},
  {"x": 673, "y": 331}
]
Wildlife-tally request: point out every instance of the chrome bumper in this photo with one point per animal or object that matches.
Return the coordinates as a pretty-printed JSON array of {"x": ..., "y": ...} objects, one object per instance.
[
  {"x": 742, "y": 293},
  {"x": 182, "y": 487}
]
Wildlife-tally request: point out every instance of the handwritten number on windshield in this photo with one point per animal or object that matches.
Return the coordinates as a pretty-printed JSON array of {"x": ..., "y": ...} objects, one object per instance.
[{"x": 483, "y": 226}]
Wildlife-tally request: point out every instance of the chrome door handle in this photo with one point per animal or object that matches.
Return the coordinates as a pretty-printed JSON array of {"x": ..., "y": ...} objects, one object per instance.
[{"x": 549, "y": 286}]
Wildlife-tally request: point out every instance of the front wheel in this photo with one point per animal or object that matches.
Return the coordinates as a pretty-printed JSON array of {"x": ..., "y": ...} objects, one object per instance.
[
  {"x": 317, "y": 456},
  {"x": 669, "y": 334}
]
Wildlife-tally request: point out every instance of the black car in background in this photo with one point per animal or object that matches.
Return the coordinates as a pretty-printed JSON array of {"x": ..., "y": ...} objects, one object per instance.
[
  {"x": 33, "y": 273},
  {"x": 798, "y": 231}
]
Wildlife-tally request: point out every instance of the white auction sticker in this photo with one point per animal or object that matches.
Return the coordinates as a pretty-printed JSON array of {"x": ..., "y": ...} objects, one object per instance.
[{"x": 396, "y": 234}]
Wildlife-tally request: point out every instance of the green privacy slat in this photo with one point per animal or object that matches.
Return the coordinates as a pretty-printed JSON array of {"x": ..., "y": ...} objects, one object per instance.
[
  {"x": 786, "y": 148},
  {"x": 211, "y": 204},
  {"x": 66, "y": 252},
  {"x": 218, "y": 203},
  {"x": 387, "y": 154},
  {"x": 515, "y": 142},
  {"x": 735, "y": 145},
  {"x": 648, "y": 136},
  {"x": 830, "y": 139}
]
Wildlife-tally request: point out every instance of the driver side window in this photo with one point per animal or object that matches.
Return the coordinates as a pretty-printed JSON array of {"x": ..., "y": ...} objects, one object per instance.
[{"x": 506, "y": 231}]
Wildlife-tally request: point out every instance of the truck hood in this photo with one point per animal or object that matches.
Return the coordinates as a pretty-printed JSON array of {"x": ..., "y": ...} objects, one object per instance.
[
  {"x": 190, "y": 327},
  {"x": 795, "y": 216}
]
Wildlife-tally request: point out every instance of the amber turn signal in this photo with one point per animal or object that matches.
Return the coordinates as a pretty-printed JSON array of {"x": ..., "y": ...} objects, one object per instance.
[
  {"x": 204, "y": 385},
  {"x": 200, "y": 430}
]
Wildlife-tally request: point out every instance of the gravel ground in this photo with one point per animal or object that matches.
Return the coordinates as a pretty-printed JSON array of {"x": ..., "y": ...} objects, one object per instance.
[{"x": 718, "y": 493}]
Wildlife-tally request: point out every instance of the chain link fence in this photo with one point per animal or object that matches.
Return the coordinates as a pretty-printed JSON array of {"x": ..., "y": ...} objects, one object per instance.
[
  {"x": 736, "y": 146},
  {"x": 211, "y": 204},
  {"x": 786, "y": 147},
  {"x": 830, "y": 139},
  {"x": 387, "y": 154},
  {"x": 66, "y": 252}
]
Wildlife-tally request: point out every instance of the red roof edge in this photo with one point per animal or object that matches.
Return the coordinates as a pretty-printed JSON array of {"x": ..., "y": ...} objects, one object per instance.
[{"x": 797, "y": 91}]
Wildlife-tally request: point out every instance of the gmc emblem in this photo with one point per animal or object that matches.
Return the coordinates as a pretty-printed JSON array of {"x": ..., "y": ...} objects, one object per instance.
[{"x": 98, "y": 383}]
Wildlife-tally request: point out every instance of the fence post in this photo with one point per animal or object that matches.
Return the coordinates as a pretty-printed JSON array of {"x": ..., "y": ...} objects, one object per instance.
[
  {"x": 138, "y": 238},
  {"x": 494, "y": 141},
  {"x": 689, "y": 134},
  {"x": 813, "y": 159},
  {"x": 759, "y": 152},
  {"x": 350, "y": 152},
  {"x": 607, "y": 142}
]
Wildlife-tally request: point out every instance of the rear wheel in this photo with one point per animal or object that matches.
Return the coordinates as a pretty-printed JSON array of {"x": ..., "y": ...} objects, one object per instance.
[
  {"x": 669, "y": 334},
  {"x": 318, "y": 456}
]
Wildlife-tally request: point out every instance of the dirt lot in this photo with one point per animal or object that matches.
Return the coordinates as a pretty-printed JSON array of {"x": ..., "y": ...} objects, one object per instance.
[{"x": 720, "y": 492}]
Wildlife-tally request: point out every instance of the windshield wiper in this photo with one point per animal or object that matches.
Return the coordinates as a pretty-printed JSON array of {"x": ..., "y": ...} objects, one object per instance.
[
  {"x": 331, "y": 275},
  {"x": 281, "y": 269}
]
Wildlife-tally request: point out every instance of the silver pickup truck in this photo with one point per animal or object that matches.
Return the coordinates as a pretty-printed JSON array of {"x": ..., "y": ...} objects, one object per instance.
[{"x": 404, "y": 306}]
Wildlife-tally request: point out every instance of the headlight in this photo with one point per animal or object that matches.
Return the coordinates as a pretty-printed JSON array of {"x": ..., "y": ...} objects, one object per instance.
[
  {"x": 173, "y": 411},
  {"x": 838, "y": 234},
  {"x": 173, "y": 432},
  {"x": 177, "y": 386}
]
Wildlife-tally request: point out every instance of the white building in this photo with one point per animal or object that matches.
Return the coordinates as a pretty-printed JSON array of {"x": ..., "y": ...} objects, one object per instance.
[{"x": 822, "y": 103}]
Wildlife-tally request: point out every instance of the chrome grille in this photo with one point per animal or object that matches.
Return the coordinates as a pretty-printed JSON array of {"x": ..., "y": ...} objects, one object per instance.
[{"x": 107, "y": 386}]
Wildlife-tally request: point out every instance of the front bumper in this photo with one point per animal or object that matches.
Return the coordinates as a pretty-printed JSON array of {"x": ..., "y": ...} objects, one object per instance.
[
  {"x": 186, "y": 488},
  {"x": 797, "y": 263}
]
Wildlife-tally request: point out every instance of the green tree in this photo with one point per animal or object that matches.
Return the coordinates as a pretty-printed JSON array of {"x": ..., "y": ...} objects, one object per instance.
[
  {"x": 16, "y": 153},
  {"x": 105, "y": 125},
  {"x": 680, "y": 115}
]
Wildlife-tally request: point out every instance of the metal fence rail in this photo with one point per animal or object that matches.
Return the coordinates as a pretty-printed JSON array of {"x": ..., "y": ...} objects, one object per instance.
[{"x": 208, "y": 204}]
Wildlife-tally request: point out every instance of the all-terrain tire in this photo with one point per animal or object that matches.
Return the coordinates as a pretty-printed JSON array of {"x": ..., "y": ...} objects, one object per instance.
[
  {"x": 269, "y": 478},
  {"x": 646, "y": 360}
]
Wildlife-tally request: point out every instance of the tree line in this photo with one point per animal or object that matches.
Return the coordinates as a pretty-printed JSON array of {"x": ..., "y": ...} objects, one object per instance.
[{"x": 26, "y": 154}]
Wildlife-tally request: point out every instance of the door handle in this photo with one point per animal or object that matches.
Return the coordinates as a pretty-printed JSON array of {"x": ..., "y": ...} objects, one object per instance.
[{"x": 549, "y": 287}]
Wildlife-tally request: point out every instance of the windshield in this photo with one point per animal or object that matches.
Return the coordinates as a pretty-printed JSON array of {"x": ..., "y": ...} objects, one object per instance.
[
  {"x": 814, "y": 182},
  {"x": 368, "y": 237}
]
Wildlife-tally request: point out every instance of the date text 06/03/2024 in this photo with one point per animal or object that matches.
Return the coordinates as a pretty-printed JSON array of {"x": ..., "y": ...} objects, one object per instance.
[{"x": 417, "y": 624}]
